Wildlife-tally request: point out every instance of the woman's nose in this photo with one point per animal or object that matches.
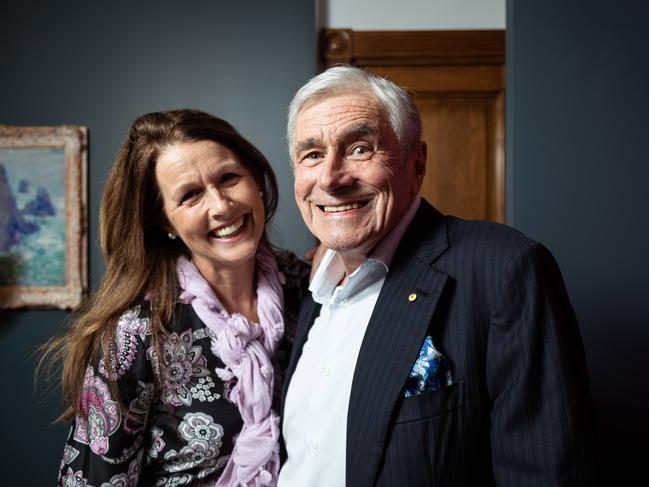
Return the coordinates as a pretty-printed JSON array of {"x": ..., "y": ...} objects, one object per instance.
[{"x": 218, "y": 201}]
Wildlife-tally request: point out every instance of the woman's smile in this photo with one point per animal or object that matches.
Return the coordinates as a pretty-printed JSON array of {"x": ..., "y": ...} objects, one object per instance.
[{"x": 230, "y": 230}]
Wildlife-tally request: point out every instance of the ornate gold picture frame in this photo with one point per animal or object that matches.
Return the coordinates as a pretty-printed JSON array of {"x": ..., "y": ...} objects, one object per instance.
[{"x": 43, "y": 229}]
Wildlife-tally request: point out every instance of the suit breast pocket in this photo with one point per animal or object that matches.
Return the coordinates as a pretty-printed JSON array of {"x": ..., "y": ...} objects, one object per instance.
[{"x": 430, "y": 404}]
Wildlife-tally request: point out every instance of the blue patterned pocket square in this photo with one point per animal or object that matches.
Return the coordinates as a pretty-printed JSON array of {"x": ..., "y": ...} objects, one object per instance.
[{"x": 431, "y": 371}]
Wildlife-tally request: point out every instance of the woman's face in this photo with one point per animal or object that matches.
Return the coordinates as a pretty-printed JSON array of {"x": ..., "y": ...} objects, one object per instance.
[{"x": 212, "y": 202}]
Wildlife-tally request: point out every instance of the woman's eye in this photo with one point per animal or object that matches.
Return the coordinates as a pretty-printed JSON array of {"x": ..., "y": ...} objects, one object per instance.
[
  {"x": 229, "y": 178},
  {"x": 189, "y": 196}
]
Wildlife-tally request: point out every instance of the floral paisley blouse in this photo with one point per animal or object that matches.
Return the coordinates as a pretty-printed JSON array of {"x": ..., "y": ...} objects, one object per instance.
[{"x": 179, "y": 434}]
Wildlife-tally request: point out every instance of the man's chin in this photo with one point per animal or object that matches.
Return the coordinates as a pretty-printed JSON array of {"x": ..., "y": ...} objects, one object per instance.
[{"x": 350, "y": 244}]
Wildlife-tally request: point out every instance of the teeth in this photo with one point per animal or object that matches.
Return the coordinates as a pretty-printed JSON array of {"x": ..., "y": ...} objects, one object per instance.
[
  {"x": 348, "y": 206},
  {"x": 229, "y": 230}
]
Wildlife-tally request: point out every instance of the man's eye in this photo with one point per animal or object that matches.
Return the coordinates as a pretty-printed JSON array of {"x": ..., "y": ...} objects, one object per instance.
[
  {"x": 360, "y": 151},
  {"x": 312, "y": 158}
]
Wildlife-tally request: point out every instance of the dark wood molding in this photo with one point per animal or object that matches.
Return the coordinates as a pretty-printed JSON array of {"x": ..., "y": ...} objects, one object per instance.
[{"x": 386, "y": 48}]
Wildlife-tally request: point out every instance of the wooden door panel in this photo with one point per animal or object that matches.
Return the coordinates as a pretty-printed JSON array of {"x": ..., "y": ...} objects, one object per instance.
[
  {"x": 452, "y": 79},
  {"x": 456, "y": 173},
  {"x": 457, "y": 79},
  {"x": 461, "y": 166}
]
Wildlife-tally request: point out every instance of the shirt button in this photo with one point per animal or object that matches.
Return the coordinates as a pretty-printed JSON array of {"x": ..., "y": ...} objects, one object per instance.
[
  {"x": 314, "y": 445},
  {"x": 345, "y": 303},
  {"x": 325, "y": 371}
]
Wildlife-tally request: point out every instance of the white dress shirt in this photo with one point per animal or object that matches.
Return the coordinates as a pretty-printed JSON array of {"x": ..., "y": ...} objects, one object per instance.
[{"x": 315, "y": 410}]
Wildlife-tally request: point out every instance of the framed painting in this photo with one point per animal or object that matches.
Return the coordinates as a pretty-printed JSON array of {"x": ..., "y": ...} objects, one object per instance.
[{"x": 43, "y": 231}]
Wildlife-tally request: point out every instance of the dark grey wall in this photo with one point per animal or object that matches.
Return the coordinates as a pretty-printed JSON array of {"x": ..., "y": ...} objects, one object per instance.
[
  {"x": 101, "y": 64},
  {"x": 577, "y": 131}
]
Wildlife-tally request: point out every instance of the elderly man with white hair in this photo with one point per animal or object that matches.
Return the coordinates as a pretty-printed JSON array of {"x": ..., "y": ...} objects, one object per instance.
[{"x": 433, "y": 351}]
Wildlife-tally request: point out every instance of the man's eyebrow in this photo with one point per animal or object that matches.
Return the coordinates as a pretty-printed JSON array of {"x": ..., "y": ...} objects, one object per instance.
[
  {"x": 354, "y": 132},
  {"x": 362, "y": 130},
  {"x": 306, "y": 144}
]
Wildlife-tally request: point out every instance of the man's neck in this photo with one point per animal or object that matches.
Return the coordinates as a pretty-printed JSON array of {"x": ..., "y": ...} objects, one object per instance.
[{"x": 351, "y": 260}]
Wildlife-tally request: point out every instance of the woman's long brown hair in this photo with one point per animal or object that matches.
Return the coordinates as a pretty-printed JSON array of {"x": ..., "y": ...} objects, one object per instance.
[{"x": 140, "y": 258}]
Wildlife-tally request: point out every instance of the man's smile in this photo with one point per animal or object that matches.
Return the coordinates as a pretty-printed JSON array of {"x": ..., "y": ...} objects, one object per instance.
[{"x": 340, "y": 207}]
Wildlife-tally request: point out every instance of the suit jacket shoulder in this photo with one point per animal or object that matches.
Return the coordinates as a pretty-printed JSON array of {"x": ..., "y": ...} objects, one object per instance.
[{"x": 503, "y": 319}]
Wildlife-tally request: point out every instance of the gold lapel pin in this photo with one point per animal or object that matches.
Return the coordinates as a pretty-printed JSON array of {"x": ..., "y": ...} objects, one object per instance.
[{"x": 412, "y": 297}]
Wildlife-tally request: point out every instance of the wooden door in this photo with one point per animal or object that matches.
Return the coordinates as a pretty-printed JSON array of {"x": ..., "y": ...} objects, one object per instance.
[{"x": 457, "y": 79}]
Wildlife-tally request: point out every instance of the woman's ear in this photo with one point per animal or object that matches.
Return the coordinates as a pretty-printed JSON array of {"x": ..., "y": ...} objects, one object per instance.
[{"x": 163, "y": 223}]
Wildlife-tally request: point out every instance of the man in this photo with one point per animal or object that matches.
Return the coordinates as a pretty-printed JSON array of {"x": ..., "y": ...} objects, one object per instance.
[{"x": 435, "y": 351}]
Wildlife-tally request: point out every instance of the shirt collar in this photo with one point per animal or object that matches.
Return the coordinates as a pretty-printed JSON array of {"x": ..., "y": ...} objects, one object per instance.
[
  {"x": 386, "y": 248},
  {"x": 331, "y": 270}
]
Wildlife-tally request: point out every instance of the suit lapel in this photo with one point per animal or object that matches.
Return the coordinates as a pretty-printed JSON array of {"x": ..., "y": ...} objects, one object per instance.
[
  {"x": 392, "y": 341},
  {"x": 309, "y": 310}
]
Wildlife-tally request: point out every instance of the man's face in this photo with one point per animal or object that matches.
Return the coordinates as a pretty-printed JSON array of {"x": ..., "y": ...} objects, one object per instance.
[{"x": 350, "y": 181}]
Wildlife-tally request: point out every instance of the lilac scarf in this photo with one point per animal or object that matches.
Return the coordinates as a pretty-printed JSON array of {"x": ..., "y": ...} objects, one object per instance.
[{"x": 245, "y": 348}]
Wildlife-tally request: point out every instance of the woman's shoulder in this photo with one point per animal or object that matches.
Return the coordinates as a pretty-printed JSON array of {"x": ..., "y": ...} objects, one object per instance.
[
  {"x": 296, "y": 272},
  {"x": 135, "y": 321},
  {"x": 129, "y": 341},
  {"x": 296, "y": 286},
  {"x": 290, "y": 265}
]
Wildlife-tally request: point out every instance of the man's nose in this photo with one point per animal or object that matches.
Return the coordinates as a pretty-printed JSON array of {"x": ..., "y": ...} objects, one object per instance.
[{"x": 334, "y": 173}]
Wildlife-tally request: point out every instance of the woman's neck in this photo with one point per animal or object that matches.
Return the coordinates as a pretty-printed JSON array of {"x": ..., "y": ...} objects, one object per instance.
[{"x": 235, "y": 286}]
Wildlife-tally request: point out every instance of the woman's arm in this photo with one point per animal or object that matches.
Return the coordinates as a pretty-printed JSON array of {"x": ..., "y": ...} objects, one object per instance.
[{"x": 107, "y": 438}]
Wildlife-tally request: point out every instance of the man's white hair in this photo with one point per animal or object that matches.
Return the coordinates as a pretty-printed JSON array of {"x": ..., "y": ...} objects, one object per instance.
[{"x": 399, "y": 107}]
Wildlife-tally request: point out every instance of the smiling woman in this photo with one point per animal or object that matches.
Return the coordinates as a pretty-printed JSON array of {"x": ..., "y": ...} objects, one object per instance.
[
  {"x": 179, "y": 351},
  {"x": 213, "y": 203}
]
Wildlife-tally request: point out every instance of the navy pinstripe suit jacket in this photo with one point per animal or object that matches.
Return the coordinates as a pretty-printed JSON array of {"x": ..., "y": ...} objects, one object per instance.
[{"x": 519, "y": 411}]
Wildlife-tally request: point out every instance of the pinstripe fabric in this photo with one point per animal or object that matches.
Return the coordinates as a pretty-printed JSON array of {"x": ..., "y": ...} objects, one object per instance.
[{"x": 519, "y": 413}]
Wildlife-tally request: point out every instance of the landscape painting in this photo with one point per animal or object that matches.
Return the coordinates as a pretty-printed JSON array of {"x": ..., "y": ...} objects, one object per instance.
[
  {"x": 32, "y": 217},
  {"x": 42, "y": 216}
]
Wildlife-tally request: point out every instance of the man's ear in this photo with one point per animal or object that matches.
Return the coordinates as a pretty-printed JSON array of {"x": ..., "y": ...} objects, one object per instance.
[{"x": 418, "y": 159}]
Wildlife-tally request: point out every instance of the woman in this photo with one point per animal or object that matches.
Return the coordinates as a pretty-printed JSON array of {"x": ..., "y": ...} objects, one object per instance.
[{"x": 170, "y": 362}]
